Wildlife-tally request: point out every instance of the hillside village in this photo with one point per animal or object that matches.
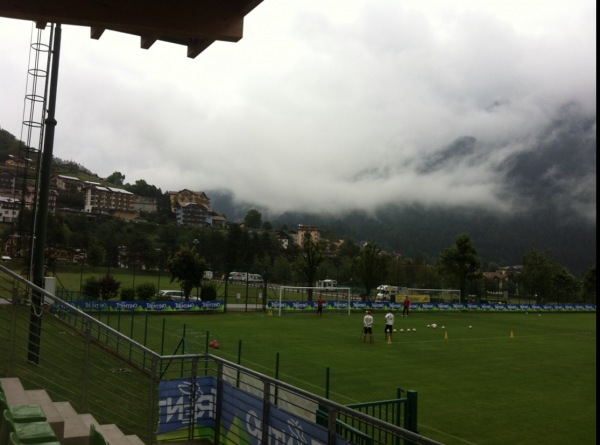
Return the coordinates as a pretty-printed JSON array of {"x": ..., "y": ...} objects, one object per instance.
[{"x": 190, "y": 208}]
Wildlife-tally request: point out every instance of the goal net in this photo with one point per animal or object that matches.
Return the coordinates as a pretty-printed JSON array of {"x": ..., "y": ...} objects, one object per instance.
[
  {"x": 297, "y": 297},
  {"x": 431, "y": 295}
]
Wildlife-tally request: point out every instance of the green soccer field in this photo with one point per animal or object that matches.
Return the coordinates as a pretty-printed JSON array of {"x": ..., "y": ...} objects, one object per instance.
[{"x": 482, "y": 378}]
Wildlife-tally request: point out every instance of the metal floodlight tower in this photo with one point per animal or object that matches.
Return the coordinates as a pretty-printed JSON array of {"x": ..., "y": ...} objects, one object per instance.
[{"x": 39, "y": 234}]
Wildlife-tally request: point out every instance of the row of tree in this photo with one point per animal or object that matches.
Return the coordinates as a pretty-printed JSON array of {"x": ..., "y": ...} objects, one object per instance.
[{"x": 188, "y": 251}]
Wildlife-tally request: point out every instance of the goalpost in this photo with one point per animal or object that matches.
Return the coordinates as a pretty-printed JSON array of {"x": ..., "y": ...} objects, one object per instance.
[
  {"x": 321, "y": 290},
  {"x": 432, "y": 295}
]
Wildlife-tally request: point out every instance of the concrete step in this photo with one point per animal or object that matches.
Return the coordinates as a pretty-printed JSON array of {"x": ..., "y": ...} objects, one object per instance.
[
  {"x": 112, "y": 434},
  {"x": 134, "y": 440},
  {"x": 70, "y": 427},
  {"x": 14, "y": 391},
  {"x": 76, "y": 431},
  {"x": 54, "y": 418}
]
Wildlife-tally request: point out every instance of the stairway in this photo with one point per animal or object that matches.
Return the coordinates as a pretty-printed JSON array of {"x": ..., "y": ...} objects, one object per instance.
[{"x": 69, "y": 427}]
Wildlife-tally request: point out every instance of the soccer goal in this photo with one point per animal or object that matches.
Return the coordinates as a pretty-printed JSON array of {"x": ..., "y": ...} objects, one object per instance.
[
  {"x": 342, "y": 296},
  {"x": 432, "y": 295}
]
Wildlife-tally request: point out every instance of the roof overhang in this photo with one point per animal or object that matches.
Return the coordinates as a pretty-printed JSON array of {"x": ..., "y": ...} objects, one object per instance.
[{"x": 193, "y": 23}]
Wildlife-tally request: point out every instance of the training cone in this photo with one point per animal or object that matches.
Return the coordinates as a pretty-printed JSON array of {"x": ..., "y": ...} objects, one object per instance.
[
  {"x": 389, "y": 339},
  {"x": 446, "y": 335},
  {"x": 511, "y": 334}
]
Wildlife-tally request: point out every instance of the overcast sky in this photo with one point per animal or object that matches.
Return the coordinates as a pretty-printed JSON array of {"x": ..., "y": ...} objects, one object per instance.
[{"x": 323, "y": 104}]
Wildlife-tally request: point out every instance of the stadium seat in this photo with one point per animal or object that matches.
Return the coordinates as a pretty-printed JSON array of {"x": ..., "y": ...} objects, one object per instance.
[
  {"x": 96, "y": 437},
  {"x": 14, "y": 440},
  {"x": 30, "y": 433},
  {"x": 21, "y": 414}
]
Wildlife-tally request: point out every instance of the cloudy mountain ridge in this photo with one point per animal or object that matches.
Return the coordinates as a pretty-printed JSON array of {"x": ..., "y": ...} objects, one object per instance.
[{"x": 548, "y": 202}]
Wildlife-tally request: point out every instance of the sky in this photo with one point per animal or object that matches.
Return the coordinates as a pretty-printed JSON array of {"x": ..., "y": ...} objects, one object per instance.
[{"x": 323, "y": 105}]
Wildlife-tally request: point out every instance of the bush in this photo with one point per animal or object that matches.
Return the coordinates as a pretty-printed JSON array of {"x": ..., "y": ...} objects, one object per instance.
[
  {"x": 209, "y": 292},
  {"x": 145, "y": 291},
  {"x": 91, "y": 288},
  {"x": 127, "y": 294},
  {"x": 109, "y": 287}
]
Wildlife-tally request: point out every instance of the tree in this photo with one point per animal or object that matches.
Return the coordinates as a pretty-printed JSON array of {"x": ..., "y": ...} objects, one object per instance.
[
  {"x": 589, "y": 285},
  {"x": 187, "y": 267},
  {"x": 116, "y": 178},
  {"x": 461, "y": 262},
  {"x": 370, "y": 267},
  {"x": 95, "y": 253},
  {"x": 253, "y": 219},
  {"x": 537, "y": 273},
  {"x": 565, "y": 287},
  {"x": 308, "y": 262}
]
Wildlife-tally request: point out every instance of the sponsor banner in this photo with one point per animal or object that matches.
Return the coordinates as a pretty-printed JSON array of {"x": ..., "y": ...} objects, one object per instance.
[
  {"x": 186, "y": 402},
  {"x": 419, "y": 298},
  {"x": 359, "y": 306},
  {"x": 147, "y": 306},
  {"x": 300, "y": 306}
]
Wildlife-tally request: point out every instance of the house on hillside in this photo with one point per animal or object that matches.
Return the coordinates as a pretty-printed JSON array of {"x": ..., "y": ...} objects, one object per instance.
[
  {"x": 7, "y": 181},
  {"x": 193, "y": 209},
  {"x": 30, "y": 197},
  {"x": 193, "y": 214},
  {"x": 67, "y": 183},
  {"x": 9, "y": 209},
  {"x": 185, "y": 196},
  {"x": 307, "y": 231},
  {"x": 143, "y": 204},
  {"x": 101, "y": 199}
]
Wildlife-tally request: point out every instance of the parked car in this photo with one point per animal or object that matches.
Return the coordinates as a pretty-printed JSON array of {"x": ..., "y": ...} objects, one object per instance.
[{"x": 174, "y": 295}]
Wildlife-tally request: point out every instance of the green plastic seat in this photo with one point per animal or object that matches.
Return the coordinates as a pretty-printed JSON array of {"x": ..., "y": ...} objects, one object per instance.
[
  {"x": 27, "y": 413},
  {"x": 22, "y": 413},
  {"x": 96, "y": 437},
  {"x": 35, "y": 432},
  {"x": 14, "y": 440},
  {"x": 16, "y": 415}
]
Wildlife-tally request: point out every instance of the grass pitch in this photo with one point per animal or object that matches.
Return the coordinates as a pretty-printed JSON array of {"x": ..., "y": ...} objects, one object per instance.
[{"x": 509, "y": 378}]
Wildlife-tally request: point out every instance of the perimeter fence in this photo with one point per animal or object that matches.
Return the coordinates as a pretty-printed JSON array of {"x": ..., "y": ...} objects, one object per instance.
[{"x": 50, "y": 344}]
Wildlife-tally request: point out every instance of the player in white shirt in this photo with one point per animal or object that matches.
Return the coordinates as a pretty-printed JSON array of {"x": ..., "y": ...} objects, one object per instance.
[
  {"x": 389, "y": 325},
  {"x": 368, "y": 327}
]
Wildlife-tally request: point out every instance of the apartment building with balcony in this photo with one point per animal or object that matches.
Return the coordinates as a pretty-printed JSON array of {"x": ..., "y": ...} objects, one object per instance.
[
  {"x": 307, "y": 231},
  {"x": 101, "y": 199},
  {"x": 193, "y": 209}
]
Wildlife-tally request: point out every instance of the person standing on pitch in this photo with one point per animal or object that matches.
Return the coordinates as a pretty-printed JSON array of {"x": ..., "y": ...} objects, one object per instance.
[
  {"x": 389, "y": 325},
  {"x": 406, "y": 306},
  {"x": 368, "y": 327},
  {"x": 320, "y": 303}
]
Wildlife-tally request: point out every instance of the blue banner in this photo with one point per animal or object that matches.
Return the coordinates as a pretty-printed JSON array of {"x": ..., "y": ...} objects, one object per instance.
[
  {"x": 185, "y": 402},
  {"x": 147, "y": 306},
  {"x": 300, "y": 306},
  {"x": 431, "y": 307}
]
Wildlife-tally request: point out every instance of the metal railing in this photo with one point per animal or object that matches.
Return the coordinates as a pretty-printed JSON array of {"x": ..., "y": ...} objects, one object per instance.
[{"x": 103, "y": 372}]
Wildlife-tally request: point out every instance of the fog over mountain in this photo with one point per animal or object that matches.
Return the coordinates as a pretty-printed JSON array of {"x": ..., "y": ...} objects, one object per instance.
[{"x": 548, "y": 203}]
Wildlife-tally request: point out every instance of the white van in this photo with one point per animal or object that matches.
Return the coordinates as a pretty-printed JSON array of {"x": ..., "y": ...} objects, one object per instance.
[
  {"x": 174, "y": 295},
  {"x": 243, "y": 276},
  {"x": 327, "y": 283},
  {"x": 386, "y": 292}
]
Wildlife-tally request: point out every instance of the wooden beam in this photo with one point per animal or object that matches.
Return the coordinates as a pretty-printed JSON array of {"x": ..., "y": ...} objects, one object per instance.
[
  {"x": 147, "y": 41},
  {"x": 195, "y": 48},
  {"x": 178, "y": 19},
  {"x": 96, "y": 33}
]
